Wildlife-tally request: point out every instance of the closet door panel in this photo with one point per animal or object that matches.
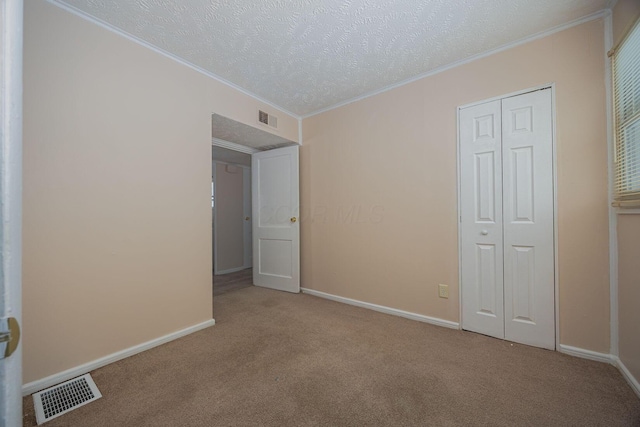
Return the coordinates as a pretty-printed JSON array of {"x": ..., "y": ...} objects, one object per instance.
[
  {"x": 481, "y": 219},
  {"x": 527, "y": 153}
]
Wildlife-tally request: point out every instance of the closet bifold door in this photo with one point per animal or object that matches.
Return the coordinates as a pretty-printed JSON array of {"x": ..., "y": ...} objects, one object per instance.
[
  {"x": 481, "y": 219},
  {"x": 527, "y": 162}
]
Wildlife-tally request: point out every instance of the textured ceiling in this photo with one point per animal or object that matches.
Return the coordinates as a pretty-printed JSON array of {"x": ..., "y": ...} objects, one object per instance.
[
  {"x": 232, "y": 131},
  {"x": 308, "y": 55}
]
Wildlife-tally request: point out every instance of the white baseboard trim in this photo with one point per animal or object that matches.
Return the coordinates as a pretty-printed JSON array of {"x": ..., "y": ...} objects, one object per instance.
[
  {"x": 586, "y": 354},
  {"x": 383, "y": 309},
  {"x": 34, "y": 386},
  {"x": 633, "y": 382},
  {"x": 606, "y": 358},
  {"x": 230, "y": 270}
]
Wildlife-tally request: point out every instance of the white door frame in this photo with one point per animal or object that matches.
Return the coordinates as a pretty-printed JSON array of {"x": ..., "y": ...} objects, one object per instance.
[
  {"x": 247, "y": 225},
  {"x": 11, "y": 40},
  {"x": 234, "y": 147},
  {"x": 555, "y": 197}
]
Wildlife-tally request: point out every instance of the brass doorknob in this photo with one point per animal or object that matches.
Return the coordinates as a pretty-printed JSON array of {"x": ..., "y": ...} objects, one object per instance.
[{"x": 294, "y": 219}]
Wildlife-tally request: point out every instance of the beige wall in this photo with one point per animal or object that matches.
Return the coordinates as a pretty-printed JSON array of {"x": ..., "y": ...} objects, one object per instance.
[
  {"x": 629, "y": 292},
  {"x": 229, "y": 218},
  {"x": 625, "y": 13},
  {"x": 390, "y": 160},
  {"x": 117, "y": 167}
]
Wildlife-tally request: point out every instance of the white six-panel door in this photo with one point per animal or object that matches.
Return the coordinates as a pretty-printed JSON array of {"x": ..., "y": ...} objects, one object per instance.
[
  {"x": 506, "y": 208},
  {"x": 527, "y": 158},
  {"x": 481, "y": 219},
  {"x": 276, "y": 229}
]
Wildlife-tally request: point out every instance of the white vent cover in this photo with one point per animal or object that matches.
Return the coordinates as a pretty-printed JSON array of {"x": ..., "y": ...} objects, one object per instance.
[
  {"x": 267, "y": 119},
  {"x": 64, "y": 397}
]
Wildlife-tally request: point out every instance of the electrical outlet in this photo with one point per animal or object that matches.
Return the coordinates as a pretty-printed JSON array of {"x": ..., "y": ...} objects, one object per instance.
[{"x": 443, "y": 291}]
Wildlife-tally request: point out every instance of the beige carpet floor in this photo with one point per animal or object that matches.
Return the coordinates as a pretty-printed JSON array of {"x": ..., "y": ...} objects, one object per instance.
[{"x": 278, "y": 359}]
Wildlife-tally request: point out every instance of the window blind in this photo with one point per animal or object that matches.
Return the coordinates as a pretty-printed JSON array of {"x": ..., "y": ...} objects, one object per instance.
[{"x": 626, "y": 87}]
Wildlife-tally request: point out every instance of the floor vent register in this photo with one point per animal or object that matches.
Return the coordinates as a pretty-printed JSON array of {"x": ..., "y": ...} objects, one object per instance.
[{"x": 64, "y": 397}]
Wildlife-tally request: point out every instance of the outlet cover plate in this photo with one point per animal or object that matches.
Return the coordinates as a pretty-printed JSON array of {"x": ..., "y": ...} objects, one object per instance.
[{"x": 443, "y": 291}]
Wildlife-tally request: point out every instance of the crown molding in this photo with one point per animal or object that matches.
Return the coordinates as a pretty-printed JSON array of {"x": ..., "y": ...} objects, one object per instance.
[
  {"x": 438, "y": 70},
  {"x": 75, "y": 11},
  {"x": 99, "y": 22}
]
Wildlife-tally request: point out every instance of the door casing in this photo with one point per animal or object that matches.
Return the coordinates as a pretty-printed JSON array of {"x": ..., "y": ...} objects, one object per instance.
[
  {"x": 11, "y": 42},
  {"x": 249, "y": 150},
  {"x": 551, "y": 86}
]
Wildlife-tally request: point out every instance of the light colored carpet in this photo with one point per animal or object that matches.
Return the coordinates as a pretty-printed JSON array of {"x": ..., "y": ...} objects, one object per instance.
[{"x": 278, "y": 359}]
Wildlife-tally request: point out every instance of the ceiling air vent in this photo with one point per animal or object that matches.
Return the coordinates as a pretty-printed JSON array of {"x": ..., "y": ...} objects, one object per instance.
[{"x": 267, "y": 119}]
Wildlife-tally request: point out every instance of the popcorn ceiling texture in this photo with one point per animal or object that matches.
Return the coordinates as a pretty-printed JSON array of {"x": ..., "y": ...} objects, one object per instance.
[
  {"x": 240, "y": 133},
  {"x": 307, "y": 55}
]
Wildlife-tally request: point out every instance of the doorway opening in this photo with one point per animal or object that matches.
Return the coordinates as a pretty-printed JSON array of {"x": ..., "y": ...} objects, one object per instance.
[
  {"x": 249, "y": 165},
  {"x": 231, "y": 214}
]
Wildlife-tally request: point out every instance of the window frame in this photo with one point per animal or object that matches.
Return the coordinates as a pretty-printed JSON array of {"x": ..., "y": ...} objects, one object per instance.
[{"x": 624, "y": 156}]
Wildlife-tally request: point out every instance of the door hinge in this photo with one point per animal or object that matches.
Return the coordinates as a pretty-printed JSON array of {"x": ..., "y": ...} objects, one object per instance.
[{"x": 9, "y": 336}]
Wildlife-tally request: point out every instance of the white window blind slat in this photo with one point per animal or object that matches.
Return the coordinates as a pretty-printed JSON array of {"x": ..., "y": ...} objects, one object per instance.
[{"x": 626, "y": 86}]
